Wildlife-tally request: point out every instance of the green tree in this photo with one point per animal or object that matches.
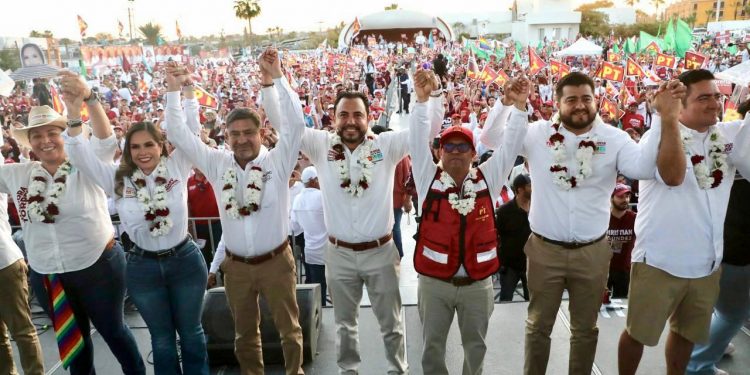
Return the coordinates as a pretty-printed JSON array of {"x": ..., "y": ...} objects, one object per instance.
[
  {"x": 43, "y": 34},
  {"x": 104, "y": 38},
  {"x": 657, "y": 4},
  {"x": 152, "y": 33},
  {"x": 247, "y": 10},
  {"x": 691, "y": 19},
  {"x": 631, "y": 3},
  {"x": 393, "y": 6},
  {"x": 9, "y": 59},
  {"x": 594, "y": 23},
  {"x": 710, "y": 15},
  {"x": 595, "y": 5}
]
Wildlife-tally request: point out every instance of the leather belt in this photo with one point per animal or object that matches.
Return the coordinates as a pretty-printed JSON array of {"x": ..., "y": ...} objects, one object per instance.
[
  {"x": 361, "y": 246},
  {"x": 569, "y": 245},
  {"x": 459, "y": 281},
  {"x": 110, "y": 244},
  {"x": 260, "y": 258},
  {"x": 165, "y": 253}
]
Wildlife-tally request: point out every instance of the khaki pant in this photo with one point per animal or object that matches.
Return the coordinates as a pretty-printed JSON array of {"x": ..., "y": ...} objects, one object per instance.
[
  {"x": 438, "y": 301},
  {"x": 276, "y": 281},
  {"x": 378, "y": 269},
  {"x": 552, "y": 269},
  {"x": 15, "y": 314}
]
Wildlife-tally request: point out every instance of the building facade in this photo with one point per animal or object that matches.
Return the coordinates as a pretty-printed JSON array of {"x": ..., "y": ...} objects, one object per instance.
[{"x": 705, "y": 11}]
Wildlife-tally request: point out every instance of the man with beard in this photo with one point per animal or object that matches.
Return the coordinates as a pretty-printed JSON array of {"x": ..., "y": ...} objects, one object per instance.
[
  {"x": 355, "y": 172},
  {"x": 676, "y": 276},
  {"x": 621, "y": 235},
  {"x": 573, "y": 164}
]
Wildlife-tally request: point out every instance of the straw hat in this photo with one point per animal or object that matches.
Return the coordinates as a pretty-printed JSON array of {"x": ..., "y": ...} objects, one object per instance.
[{"x": 39, "y": 116}]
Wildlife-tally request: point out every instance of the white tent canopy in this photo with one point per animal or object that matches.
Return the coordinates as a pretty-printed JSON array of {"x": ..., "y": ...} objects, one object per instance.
[
  {"x": 581, "y": 47},
  {"x": 739, "y": 74}
]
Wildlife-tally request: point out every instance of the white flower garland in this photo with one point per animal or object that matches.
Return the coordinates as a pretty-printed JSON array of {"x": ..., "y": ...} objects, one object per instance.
[
  {"x": 251, "y": 194},
  {"x": 44, "y": 207},
  {"x": 584, "y": 156},
  {"x": 465, "y": 204},
  {"x": 337, "y": 149},
  {"x": 710, "y": 173},
  {"x": 154, "y": 208}
]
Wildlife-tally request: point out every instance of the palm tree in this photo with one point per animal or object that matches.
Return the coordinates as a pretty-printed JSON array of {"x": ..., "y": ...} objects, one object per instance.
[
  {"x": 710, "y": 14},
  {"x": 631, "y": 3},
  {"x": 657, "y": 4},
  {"x": 152, "y": 33},
  {"x": 747, "y": 9},
  {"x": 691, "y": 19},
  {"x": 247, "y": 10},
  {"x": 393, "y": 6}
]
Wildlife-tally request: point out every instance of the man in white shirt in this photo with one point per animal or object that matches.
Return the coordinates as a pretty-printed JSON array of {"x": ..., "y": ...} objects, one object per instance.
[
  {"x": 254, "y": 209},
  {"x": 307, "y": 217},
  {"x": 574, "y": 164},
  {"x": 14, "y": 303},
  {"x": 679, "y": 231}
]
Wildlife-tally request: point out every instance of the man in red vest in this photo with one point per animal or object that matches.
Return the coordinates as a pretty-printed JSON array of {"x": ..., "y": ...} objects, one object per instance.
[{"x": 456, "y": 251}]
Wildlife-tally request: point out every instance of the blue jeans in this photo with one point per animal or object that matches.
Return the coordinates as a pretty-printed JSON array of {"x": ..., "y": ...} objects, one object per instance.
[
  {"x": 397, "y": 213},
  {"x": 730, "y": 312},
  {"x": 169, "y": 295},
  {"x": 96, "y": 295},
  {"x": 317, "y": 275}
]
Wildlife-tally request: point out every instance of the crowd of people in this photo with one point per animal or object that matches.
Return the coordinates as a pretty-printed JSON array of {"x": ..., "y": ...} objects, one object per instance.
[{"x": 297, "y": 150}]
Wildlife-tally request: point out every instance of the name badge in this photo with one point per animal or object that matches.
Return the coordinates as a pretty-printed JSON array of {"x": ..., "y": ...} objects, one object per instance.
[
  {"x": 129, "y": 192},
  {"x": 601, "y": 147},
  {"x": 376, "y": 155}
]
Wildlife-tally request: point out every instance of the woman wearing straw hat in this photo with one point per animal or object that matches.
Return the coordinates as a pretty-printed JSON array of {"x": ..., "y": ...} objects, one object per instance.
[
  {"x": 166, "y": 273},
  {"x": 73, "y": 256}
]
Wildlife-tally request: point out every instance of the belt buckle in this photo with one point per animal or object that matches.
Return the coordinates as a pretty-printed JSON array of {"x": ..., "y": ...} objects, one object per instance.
[
  {"x": 167, "y": 253},
  {"x": 572, "y": 245}
]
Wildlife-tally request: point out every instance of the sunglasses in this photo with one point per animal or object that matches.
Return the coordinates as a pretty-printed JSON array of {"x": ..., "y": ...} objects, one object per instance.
[{"x": 456, "y": 147}]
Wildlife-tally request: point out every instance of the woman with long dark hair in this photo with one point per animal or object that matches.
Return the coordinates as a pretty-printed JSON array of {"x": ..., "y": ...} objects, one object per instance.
[{"x": 166, "y": 273}]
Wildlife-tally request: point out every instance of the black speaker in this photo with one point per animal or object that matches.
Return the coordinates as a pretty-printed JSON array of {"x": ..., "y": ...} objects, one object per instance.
[{"x": 218, "y": 326}]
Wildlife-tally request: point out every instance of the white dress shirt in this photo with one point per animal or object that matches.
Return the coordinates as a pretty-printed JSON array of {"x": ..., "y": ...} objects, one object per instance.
[
  {"x": 307, "y": 217},
  {"x": 9, "y": 251},
  {"x": 580, "y": 214},
  {"x": 680, "y": 229},
  {"x": 81, "y": 231},
  {"x": 495, "y": 170},
  {"x": 267, "y": 228}
]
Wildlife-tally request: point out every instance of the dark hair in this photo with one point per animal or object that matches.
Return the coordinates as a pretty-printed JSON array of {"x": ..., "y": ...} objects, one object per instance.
[
  {"x": 691, "y": 77},
  {"x": 127, "y": 166},
  {"x": 349, "y": 95},
  {"x": 377, "y": 129},
  {"x": 243, "y": 114},
  {"x": 520, "y": 181},
  {"x": 573, "y": 79}
]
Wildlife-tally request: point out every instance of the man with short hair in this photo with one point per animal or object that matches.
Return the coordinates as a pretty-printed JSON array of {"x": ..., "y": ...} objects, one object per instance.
[
  {"x": 574, "y": 163},
  {"x": 512, "y": 221},
  {"x": 254, "y": 212},
  {"x": 632, "y": 119},
  {"x": 675, "y": 277},
  {"x": 621, "y": 234}
]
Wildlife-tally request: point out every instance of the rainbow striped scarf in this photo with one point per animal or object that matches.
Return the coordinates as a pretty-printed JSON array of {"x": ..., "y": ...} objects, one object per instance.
[{"x": 69, "y": 339}]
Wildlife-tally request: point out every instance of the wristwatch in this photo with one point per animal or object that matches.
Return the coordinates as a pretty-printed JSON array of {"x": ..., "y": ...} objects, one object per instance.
[
  {"x": 93, "y": 98},
  {"x": 74, "y": 123}
]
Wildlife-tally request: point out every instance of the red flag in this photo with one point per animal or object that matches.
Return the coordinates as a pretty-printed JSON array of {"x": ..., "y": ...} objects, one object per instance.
[
  {"x": 205, "y": 99},
  {"x": 536, "y": 63},
  {"x": 125, "y": 64},
  {"x": 501, "y": 78},
  {"x": 356, "y": 26},
  {"x": 82, "y": 26},
  {"x": 613, "y": 57},
  {"x": 558, "y": 68},
  {"x": 633, "y": 69},
  {"x": 488, "y": 74},
  {"x": 611, "y": 107},
  {"x": 612, "y": 72},
  {"x": 666, "y": 61},
  {"x": 473, "y": 71},
  {"x": 652, "y": 48},
  {"x": 57, "y": 104},
  {"x": 694, "y": 60}
]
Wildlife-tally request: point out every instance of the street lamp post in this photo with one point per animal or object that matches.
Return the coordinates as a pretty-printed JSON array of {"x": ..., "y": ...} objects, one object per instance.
[{"x": 130, "y": 18}]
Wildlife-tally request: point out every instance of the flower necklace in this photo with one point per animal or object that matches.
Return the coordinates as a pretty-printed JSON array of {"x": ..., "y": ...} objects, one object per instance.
[
  {"x": 466, "y": 204},
  {"x": 584, "y": 155},
  {"x": 365, "y": 160},
  {"x": 251, "y": 194},
  {"x": 154, "y": 207},
  {"x": 38, "y": 211},
  {"x": 717, "y": 159}
]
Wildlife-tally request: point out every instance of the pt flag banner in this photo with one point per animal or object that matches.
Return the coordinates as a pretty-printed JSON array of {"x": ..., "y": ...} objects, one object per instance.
[
  {"x": 613, "y": 57},
  {"x": 666, "y": 61},
  {"x": 611, "y": 72},
  {"x": 558, "y": 68},
  {"x": 205, "y": 99},
  {"x": 536, "y": 64},
  {"x": 694, "y": 60},
  {"x": 652, "y": 48},
  {"x": 501, "y": 78},
  {"x": 633, "y": 69},
  {"x": 488, "y": 74},
  {"x": 611, "y": 107}
]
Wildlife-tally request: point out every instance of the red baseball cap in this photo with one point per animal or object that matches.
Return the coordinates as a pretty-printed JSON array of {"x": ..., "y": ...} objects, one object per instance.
[
  {"x": 457, "y": 131},
  {"x": 621, "y": 189}
]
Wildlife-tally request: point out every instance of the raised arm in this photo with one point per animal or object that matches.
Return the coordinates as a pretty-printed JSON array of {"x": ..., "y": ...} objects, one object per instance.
[
  {"x": 497, "y": 119},
  {"x": 671, "y": 161},
  {"x": 82, "y": 156}
]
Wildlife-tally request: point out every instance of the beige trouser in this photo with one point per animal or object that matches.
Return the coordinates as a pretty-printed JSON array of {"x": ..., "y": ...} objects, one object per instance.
[
  {"x": 378, "y": 269},
  {"x": 276, "y": 281},
  {"x": 438, "y": 301},
  {"x": 15, "y": 314},
  {"x": 551, "y": 269}
]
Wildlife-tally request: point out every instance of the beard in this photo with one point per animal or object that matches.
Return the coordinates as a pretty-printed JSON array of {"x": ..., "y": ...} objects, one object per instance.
[
  {"x": 578, "y": 119},
  {"x": 357, "y": 138}
]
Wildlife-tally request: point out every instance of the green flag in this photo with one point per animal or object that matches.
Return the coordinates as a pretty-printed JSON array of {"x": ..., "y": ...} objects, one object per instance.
[
  {"x": 82, "y": 68},
  {"x": 669, "y": 37},
  {"x": 732, "y": 49},
  {"x": 615, "y": 48},
  {"x": 519, "y": 47},
  {"x": 683, "y": 37},
  {"x": 478, "y": 52},
  {"x": 647, "y": 38},
  {"x": 540, "y": 46},
  {"x": 517, "y": 58}
]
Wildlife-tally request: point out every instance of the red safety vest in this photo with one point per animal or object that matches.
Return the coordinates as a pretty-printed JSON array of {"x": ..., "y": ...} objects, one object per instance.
[{"x": 446, "y": 239}]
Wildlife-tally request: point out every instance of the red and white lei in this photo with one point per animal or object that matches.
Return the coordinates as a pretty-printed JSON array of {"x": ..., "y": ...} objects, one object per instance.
[
  {"x": 356, "y": 189},
  {"x": 710, "y": 173},
  {"x": 154, "y": 207},
  {"x": 44, "y": 207},
  {"x": 467, "y": 200},
  {"x": 584, "y": 155},
  {"x": 251, "y": 194}
]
